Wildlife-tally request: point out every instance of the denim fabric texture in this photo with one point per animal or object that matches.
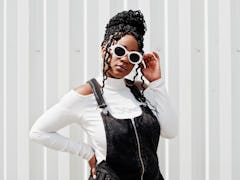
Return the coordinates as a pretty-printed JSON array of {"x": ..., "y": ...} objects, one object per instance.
[
  {"x": 131, "y": 143},
  {"x": 104, "y": 172}
]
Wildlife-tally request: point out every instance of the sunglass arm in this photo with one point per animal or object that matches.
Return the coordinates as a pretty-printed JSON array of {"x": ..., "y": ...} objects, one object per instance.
[{"x": 144, "y": 65}]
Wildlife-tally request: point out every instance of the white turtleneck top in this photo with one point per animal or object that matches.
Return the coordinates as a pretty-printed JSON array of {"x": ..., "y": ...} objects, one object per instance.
[{"x": 82, "y": 110}]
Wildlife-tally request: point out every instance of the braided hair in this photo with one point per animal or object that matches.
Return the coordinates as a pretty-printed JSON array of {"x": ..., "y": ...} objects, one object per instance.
[{"x": 126, "y": 22}]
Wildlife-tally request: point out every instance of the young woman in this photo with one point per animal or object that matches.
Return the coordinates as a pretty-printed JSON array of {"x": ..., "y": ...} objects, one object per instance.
[{"x": 123, "y": 118}]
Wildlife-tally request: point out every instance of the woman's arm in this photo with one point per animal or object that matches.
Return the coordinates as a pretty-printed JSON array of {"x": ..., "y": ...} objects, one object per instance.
[
  {"x": 157, "y": 95},
  {"x": 159, "y": 100},
  {"x": 44, "y": 130}
]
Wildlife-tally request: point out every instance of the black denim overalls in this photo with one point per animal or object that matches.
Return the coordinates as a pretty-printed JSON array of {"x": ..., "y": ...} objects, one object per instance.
[{"x": 131, "y": 143}]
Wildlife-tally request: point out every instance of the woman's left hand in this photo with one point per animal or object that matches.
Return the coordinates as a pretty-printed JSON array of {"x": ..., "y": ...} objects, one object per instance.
[{"x": 152, "y": 71}]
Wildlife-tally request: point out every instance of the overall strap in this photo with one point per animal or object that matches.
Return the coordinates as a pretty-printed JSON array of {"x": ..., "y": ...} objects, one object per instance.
[
  {"x": 97, "y": 92},
  {"x": 135, "y": 91}
]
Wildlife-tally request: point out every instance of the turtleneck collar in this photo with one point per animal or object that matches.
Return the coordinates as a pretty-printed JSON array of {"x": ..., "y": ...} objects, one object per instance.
[{"x": 112, "y": 83}]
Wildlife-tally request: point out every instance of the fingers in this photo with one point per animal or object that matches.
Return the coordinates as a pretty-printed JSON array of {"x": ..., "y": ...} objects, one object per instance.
[
  {"x": 94, "y": 172},
  {"x": 156, "y": 54},
  {"x": 92, "y": 163},
  {"x": 151, "y": 56},
  {"x": 150, "y": 59},
  {"x": 148, "y": 56}
]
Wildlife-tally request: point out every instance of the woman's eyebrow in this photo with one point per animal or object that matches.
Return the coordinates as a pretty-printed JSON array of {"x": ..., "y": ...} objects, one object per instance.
[
  {"x": 127, "y": 48},
  {"x": 123, "y": 45}
]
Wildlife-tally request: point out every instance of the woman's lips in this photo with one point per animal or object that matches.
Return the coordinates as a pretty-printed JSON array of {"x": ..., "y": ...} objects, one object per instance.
[{"x": 121, "y": 68}]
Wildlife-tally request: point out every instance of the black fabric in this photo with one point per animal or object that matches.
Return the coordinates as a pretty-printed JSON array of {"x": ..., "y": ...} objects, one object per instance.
[
  {"x": 96, "y": 90},
  {"x": 104, "y": 172},
  {"x": 135, "y": 91},
  {"x": 123, "y": 159}
]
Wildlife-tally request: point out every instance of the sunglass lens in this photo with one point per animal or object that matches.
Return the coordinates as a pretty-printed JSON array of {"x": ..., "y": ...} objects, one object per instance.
[
  {"x": 134, "y": 58},
  {"x": 119, "y": 51}
]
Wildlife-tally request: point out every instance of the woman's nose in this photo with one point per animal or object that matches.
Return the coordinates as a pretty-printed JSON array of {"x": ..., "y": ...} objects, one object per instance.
[{"x": 125, "y": 58}]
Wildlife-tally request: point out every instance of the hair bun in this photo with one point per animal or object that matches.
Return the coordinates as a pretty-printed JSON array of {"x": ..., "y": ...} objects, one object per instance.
[{"x": 131, "y": 18}]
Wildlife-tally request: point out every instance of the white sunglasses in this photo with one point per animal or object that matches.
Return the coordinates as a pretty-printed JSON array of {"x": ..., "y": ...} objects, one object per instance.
[{"x": 134, "y": 57}]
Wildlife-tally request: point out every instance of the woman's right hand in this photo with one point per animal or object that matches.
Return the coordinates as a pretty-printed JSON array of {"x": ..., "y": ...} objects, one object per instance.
[{"x": 92, "y": 163}]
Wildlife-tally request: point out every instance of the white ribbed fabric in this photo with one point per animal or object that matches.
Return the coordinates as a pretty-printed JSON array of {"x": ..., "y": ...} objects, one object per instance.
[{"x": 82, "y": 109}]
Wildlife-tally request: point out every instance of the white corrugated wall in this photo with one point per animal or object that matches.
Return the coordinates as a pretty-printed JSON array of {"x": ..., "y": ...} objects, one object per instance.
[{"x": 49, "y": 47}]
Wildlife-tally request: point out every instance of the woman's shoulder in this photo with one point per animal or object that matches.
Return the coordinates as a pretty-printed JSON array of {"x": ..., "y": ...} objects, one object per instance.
[
  {"x": 84, "y": 89},
  {"x": 77, "y": 97}
]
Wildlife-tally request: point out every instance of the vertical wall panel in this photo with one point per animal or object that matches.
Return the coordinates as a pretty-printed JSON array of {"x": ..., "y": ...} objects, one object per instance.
[
  {"x": 36, "y": 96},
  {"x": 235, "y": 63},
  {"x": 198, "y": 90},
  {"x": 132, "y": 4},
  {"x": 185, "y": 78},
  {"x": 76, "y": 35},
  {"x": 173, "y": 73},
  {"x": 92, "y": 39},
  {"x": 213, "y": 71},
  {"x": 1, "y": 88},
  {"x": 50, "y": 75},
  {"x": 104, "y": 15},
  {"x": 116, "y": 6},
  {"x": 51, "y": 51},
  {"x": 173, "y": 82},
  {"x": 11, "y": 90},
  {"x": 23, "y": 90},
  {"x": 156, "y": 30},
  {"x": 225, "y": 90},
  {"x": 144, "y": 6},
  {"x": 63, "y": 77}
]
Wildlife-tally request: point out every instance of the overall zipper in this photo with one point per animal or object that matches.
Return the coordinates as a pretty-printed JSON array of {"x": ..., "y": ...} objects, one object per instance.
[{"x": 139, "y": 148}]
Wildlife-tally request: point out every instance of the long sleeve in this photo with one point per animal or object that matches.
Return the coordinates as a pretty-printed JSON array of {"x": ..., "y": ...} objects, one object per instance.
[
  {"x": 158, "y": 98},
  {"x": 44, "y": 130}
]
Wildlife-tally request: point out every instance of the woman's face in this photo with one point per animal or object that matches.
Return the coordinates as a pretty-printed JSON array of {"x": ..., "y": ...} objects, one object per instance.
[{"x": 121, "y": 67}]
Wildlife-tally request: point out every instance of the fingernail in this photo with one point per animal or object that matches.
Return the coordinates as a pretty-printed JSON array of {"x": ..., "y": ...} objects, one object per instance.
[{"x": 94, "y": 176}]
